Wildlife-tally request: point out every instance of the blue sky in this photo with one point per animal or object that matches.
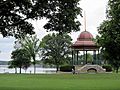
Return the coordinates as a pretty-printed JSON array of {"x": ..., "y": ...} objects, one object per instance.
[{"x": 95, "y": 14}]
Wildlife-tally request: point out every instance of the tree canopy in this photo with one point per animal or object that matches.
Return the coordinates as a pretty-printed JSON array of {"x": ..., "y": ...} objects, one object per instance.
[
  {"x": 21, "y": 59},
  {"x": 56, "y": 49},
  {"x": 32, "y": 46},
  {"x": 63, "y": 16},
  {"x": 109, "y": 32},
  {"x": 14, "y": 15}
]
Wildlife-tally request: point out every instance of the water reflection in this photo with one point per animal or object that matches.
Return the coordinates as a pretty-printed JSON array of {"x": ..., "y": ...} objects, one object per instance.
[{"x": 5, "y": 69}]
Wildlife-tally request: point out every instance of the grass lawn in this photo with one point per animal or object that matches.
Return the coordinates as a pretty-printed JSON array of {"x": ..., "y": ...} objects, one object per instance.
[{"x": 60, "y": 82}]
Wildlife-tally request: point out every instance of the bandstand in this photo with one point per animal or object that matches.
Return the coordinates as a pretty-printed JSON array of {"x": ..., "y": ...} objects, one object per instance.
[{"x": 84, "y": 44}]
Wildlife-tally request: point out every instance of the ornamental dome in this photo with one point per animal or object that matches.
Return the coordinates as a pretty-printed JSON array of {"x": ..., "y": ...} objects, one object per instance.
[
  {"x": 85, "y": 41},
  {"x": 85, "y": 35}
]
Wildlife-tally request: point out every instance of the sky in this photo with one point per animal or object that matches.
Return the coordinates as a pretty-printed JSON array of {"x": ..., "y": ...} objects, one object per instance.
[{"x": 95, "y": 14}]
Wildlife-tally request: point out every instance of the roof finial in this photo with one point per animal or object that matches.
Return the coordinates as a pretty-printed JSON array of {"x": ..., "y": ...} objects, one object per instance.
[{"x": 84, "y": 20}]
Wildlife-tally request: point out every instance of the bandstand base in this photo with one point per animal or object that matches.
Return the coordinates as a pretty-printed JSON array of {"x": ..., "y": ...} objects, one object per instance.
[{"x": 89, "y": 69}]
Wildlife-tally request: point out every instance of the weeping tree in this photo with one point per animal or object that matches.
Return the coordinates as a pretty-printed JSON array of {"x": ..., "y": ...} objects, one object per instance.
[
  {"x": 109, "y": 31},
  {"x": 56, "y": 49},
  {"x": 32, "y": 45}
]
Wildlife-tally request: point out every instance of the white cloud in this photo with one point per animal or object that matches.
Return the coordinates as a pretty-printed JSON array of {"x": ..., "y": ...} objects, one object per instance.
[
  {"x": 5, "y": 56},
  {"x": 95, "y": 14},
  {"x": 6, "y": 44},
  {"x": 40, "y": 31},
  {"x": 6, "y": 47}
]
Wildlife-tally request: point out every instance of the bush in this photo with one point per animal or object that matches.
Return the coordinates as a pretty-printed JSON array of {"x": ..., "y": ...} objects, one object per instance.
[
  {"x": 67, "y": 68},
  {"x": 107, "y": 67}
]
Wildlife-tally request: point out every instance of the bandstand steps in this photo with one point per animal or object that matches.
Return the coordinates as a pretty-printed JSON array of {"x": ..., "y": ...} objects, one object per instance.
[{"x": 88, "y": 68}]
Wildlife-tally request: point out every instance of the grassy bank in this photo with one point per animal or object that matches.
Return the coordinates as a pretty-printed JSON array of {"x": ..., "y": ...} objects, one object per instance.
[{"x": 60, "y": 82}]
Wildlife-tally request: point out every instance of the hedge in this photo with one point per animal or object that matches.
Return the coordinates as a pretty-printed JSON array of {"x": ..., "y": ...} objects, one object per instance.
[
  {"x": 67, "y": 68},
  {"x": 107, "y": 67}
]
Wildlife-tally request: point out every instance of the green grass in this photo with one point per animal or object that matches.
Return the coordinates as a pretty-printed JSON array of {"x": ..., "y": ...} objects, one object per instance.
[{"x": 60, "y": 82}]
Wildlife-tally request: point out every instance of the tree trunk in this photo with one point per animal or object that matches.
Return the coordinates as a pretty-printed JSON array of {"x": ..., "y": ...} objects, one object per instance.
[
  {"x": 34, "y": 68},
  {"x": 15, "y": 70},
  {"x": 20, "y": 70},
  {"x": 57, "y": 65},
  {"x": 117, "y": 70},
  {"x": 34, "y": 63},
  {"x": 57, "y": 68}
]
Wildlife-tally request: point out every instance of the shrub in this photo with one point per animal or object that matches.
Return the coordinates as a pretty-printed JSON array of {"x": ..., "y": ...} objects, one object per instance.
[
  {"x": 67, "y": 68},
  {"x": 107, "y": 67}
]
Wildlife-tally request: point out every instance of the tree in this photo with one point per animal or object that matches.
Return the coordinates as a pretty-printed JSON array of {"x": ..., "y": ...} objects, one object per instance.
[
  {"x": 63, "y": 17},
  {"x": 89, "y": 58},
  {"x": 82, "y": 58},
  {"x": 109, "y": 31},
  {"x": 32, "y": 45},
  {"x": 14, "y": 15},
  {"x": 13, "y": 64},
  {"x": 56, "y": 49},
  {"x": 21, "y": 59}
]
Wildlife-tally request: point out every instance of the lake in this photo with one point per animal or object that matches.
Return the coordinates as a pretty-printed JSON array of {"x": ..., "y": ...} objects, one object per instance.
[{"x": 39, "y": 70}]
